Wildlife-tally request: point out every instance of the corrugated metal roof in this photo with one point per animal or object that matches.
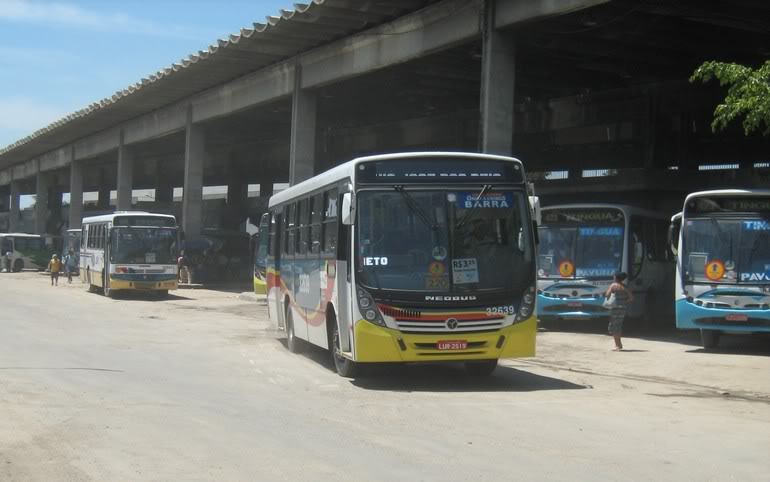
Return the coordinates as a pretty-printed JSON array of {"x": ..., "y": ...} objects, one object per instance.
[{"x": 279, "y": 38}]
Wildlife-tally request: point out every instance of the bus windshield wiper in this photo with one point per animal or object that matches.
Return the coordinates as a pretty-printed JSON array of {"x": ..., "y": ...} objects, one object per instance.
[
  {"x": 412, "y": 204},
  {"x": 469, "y": 212}
]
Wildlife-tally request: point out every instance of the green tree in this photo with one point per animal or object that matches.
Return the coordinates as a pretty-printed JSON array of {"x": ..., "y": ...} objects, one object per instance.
[{"x": 748, "y": 94}]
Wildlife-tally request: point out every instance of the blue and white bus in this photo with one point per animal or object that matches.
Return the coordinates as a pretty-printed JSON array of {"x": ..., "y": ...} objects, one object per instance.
[
  {"x": 722, "y": 241},
  {"x": 583, "y": 245}
]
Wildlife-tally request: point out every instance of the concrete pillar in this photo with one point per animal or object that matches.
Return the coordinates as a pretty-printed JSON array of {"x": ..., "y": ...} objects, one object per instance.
[
  {"x": 497, "y": 78},
  {"x": 41, "y": 202},
  {"x": 55, "y": 222},
  {"x": 15, "y": 211},
  {"x": 76, "y": 194},
  {"x": 103, "y": 202},
  {"x": 192, "y": 198},
  {"x": 303, "y": 132},
  {"x": 237, "y": 201},
  {"x": 266, "y": 189},
  {"x": 125, "y": 176}
]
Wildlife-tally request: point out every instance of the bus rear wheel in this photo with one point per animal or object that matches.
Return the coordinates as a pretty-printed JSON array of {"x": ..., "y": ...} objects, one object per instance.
[
  {"x": 482, "y": 368},
  {"x": 292, "y": 342},
  {"x": 345, "y": 367},
  {"x": 91, "y": 287},
  {"x": 710, "y": 338},
  {"x": 18, "y": 265}
]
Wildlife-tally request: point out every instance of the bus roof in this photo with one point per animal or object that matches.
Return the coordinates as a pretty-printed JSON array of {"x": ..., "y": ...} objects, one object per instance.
[
  {"x": 20, "y": 235},
  {"x": 110, "y": 217},
  {"x": 728, "y": 192},
  {"x": 627, "y": 209},
  {"x": 347, "y": 169}
]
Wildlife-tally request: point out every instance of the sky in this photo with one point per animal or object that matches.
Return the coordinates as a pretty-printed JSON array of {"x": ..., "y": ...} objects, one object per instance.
[{"x": 57, "y": 57}]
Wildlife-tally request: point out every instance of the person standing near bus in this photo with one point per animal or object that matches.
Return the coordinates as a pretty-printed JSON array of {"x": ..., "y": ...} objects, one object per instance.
[
  {"x": 69, "y": 265},
  {"x": 618, "y": 298},
  {"x": 8, "y": 256},
  {"x": 54, "y": 266}
]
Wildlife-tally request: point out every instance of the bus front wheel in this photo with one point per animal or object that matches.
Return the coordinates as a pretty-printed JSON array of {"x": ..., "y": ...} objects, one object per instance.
[
  {"x": 710, "y": 338},
  {"x": 345, "y": 367},
  {"x": 292, "y": 342},
  {"x": 482, "y": 368},
  {"x": 18, "y": 265}
]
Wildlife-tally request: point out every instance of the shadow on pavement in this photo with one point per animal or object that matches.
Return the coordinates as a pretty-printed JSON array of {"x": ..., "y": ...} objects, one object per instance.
[
  {"x": 451, "y": 377},
  {"x": 147, "y": 296},
  {"x": 439, "y": 377},
  {"x": 755, "y": 345}
]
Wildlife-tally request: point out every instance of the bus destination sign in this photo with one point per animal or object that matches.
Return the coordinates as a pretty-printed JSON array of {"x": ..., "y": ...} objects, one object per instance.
[
  {"x": 144, "y": 221},
  {"x": 440, "y": 170},
  {"x": 741, "y": 204},
  {"x": 583, "y": 216}
]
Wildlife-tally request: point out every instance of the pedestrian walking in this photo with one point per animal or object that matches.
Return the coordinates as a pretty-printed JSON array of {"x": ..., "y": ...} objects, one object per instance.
[
  {"x": 8, "y": 256},
  {"x": 617, "y": 299},
  {"x": 69, "y": 265},
  {"x": 181, "y": 265},
  {"x": 54, "y": 266}
]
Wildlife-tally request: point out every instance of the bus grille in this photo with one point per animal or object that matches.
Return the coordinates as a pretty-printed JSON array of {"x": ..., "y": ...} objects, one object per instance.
[{"x": 440, "y": 326}]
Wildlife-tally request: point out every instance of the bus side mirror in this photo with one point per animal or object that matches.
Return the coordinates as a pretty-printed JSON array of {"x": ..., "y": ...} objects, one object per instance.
[
  {"x": 673, "y": 236},
  {"x": 348, "y": 209}
]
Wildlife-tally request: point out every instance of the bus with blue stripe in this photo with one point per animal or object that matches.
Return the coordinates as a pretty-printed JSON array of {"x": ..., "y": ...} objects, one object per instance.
[
  {"x": 722, "y": 241},
  {"x": 582, "y": 246}
]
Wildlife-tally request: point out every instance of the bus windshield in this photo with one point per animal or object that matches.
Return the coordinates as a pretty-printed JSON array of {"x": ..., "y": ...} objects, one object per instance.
[
  {"x": 582, "y": 251},
  {"x": 443, "y": 241},
  {"x": 727, "y": 250},
  {"x": 143, "y": 245}
]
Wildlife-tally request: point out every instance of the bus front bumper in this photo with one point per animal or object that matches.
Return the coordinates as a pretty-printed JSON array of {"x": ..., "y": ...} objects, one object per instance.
[
  {"x": 571, "y": 309},
  {"x": 690, "y": 316},
  {"x": 378, "y": 344},
  {"x": 120, "y": 284}
]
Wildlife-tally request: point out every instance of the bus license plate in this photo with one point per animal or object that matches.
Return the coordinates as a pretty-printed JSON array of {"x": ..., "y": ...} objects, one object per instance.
[
  {"x": 575, "y": 304},
  {"x": 737, "y": 318},
  {"x": 452, "y": 345}
]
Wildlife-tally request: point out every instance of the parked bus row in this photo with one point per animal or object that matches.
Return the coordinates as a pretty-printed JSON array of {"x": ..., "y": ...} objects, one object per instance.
[{"x": 404, "y": 241}]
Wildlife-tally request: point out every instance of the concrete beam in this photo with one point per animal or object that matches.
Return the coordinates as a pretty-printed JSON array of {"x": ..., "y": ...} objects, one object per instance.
[
  {"x": 25, "y": 170},
  {"x": 513, "y": 12},
  {"x": 303, "y": 132},
  {"x": 6, "y": 176},
  {"x": 158, "y": 123},
  {"x": 76, "y": 195},
  {"x": 252, "y": 90},
  {"x": 192, "y": 197},
  {"x": 96, "y": 144},
  {"x": 125, "y": 176},
  {"x": 56, "y": 159},
  {"x": 432, "y": 29}
]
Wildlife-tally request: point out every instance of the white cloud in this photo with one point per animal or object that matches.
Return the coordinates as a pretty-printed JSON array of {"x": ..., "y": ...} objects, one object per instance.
[
  {"x": 24, "y": 115},
  {"x": 65, "y": 14}
]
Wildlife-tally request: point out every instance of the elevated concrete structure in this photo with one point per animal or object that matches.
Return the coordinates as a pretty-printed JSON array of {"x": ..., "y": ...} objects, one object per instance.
[{"x": 578, "y": 89}]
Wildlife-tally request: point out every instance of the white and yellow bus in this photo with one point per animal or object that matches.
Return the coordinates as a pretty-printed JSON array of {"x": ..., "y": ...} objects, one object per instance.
[
  {"x": 406, "y": 258},
  {"x": 129, "y": 250}
]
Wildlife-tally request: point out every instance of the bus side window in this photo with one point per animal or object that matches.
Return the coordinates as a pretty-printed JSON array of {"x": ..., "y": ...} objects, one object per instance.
[
  {"x": 302, "y": 237},
  {"x": 271, "y": 235},
  {"x": 7, "y": 246},
  {"x": 330, "y": 222},
  {"x": 636, "y": 247},
  {"x": 290, "y": 228},
  {"x": 316, "y": 208},
  {"x": 650, "y": 239}
]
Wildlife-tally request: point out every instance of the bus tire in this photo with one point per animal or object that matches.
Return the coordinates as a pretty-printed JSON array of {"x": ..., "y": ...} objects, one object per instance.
[
  {"x": 481, "y": 368},
  {"x": 162, "y": 294},
  {"x": 293, "y": 343},
  {"x": 91, "y": 287},
  {"x": 345, "y": 367},
  {"x": 18, "y": 265},
  {"x": 109, "y": 293},
  {"x": 710, "y": 338}
]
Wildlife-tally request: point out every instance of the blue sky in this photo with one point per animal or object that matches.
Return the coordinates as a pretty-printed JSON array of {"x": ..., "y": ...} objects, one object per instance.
[{"x": 59, "y": 56}]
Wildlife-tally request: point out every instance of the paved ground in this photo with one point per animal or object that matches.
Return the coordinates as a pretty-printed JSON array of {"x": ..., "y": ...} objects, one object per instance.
[{"x": 198, "y": 387}]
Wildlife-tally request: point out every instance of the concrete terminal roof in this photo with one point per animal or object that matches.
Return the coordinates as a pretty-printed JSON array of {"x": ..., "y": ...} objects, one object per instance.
[{"x": 281, "y": 37}]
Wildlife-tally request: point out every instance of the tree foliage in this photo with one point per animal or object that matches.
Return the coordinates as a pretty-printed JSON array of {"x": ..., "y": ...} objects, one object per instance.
[{"x": 748, "y": 94}]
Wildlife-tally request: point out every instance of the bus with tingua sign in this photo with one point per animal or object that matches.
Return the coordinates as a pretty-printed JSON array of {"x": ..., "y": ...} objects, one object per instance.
[
  {"x": 722, "y": 241},
  {"x": 406, "y": 258}
]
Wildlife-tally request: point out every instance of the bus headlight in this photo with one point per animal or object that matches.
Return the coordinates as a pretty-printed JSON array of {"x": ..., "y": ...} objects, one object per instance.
[
  {"x": 368, "y": 308},
  {"x": 527, "y": 306}
]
